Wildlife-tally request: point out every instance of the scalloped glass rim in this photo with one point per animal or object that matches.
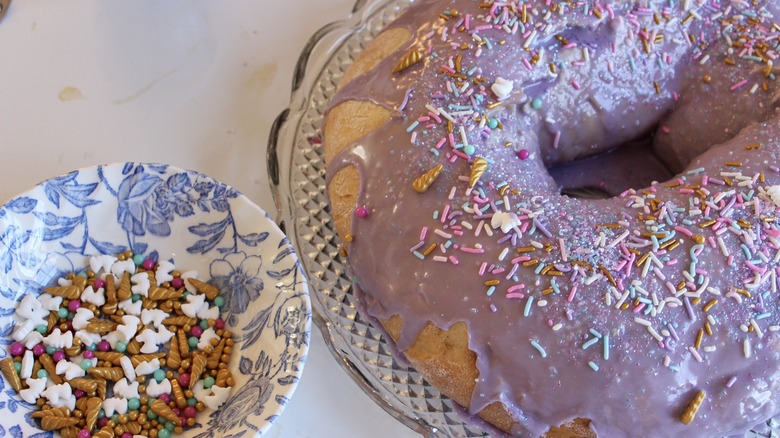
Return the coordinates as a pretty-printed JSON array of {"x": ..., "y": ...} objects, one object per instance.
[
  {"x": 72, "y": 216},
  {"x": 297, "y": 174}
]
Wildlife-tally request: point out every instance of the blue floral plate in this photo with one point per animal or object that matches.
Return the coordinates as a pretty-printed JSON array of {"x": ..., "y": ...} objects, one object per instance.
[{"x": 170, "y": 214}]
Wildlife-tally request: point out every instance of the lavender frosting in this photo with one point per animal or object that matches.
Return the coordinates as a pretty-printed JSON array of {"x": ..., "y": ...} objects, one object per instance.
[{"x": 617, "y": 310}]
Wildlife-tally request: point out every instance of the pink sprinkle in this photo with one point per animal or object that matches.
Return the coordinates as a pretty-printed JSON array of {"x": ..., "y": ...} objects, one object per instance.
[
  {"x": 665, "y": 129},
  {"x": 739, "y": 84},
  {"x": 527, "y": 64},
  {"x": 493, "y": 308},
  {"x": 572, "y": 293},
  {"x": 472, "y": 250},
  {"x": 683, "y": 230},
  {"x": 361, "y": 212},
  {"x": 556, "y": 140},
  {"x": 520, "y": 259},
  {"x": 638, "y": 308},
  {"x": 576, "y": 85},
  {"x": 482, "y": 268},
  {"x": 423, "y": 233},
  {"x": 515, "y": 296},
  {"x": 453, "y": 260},
  {"x": 523, "y": 154}
]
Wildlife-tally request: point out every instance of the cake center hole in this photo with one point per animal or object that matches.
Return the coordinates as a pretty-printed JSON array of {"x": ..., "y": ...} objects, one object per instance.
[{"x": 633, "y": 165}]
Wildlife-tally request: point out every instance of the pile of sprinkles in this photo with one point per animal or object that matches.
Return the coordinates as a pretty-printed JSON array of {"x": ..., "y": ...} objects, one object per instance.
[
  {"x": 653, "y": 263},
  {"x": 128, "y": 347}
]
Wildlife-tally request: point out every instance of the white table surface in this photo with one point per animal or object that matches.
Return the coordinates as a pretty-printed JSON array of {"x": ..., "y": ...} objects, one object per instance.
[{"x": 191, "y": 83}]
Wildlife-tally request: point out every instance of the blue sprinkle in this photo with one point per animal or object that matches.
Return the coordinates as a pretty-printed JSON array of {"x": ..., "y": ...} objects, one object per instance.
[
  {"x": 687, "y": 222},
  {"x": 593, "y": 365},
  {"x": 436, "y": 215},
  {"x": 590, "y": 342},
  {"x": 435, "y": 152},
  {"x": 606, "y": 346},
  {"x": 746, "y": 250},
  {"x": 448, "y": 244},
  {"x": 696, "y": 171},
  {"x": 419, "y": 255},
  {"x": 595, "y": 333},
  {"x": 539, "y": 348},
  {"x": 539, "y": 268},
  {"x": 763, "y": 315},
  {"x": 528, "y": 304},
  {"x": 491, "y": 290},
  {"x": 674, "y": 368},
  {"x": 412, "y": 126}
]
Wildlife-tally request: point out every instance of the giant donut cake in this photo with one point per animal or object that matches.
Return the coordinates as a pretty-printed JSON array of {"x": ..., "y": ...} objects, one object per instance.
[{"x": 651, "y": 313}]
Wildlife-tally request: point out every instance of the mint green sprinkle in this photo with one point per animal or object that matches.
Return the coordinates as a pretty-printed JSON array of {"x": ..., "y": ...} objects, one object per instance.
[
  {"x": 419, "y": 255},
  {"x": 18, "y": 366},
  {"x": 219, "y": 301},
  {"x": 593, "y": 366},
  {"x": 138, "y": 259},
  {"x": 41, "y": 328},
  {"x": 86, "y": 364},
  {"x": 159, "y": 375},
  {"x": 493, "y": 124},
  {"x": 469, "y": 149},
  {"x": 120, "y": 346},
  {"x": 192, "y": 401},
  {"x": 590, "y": 342},
  {"x": 491, "y": 290},
  {"x": 134, "y": 404},
  {"x": 192, "y": 341},
  {"x": 538, "y": 348},
  {"x": 208, "y": 382},
  {"x": 42, "y": 373},
  {"x": 204, "y": 324},
  {"x": 50, "y": 350},
  {"x": 536, "y": 103},
  {"x": 62, "y": 312},
  {"x": 606, "y": 346},
  {"x": 528, "y": 304},
  {"x": 136, "y": 297}
]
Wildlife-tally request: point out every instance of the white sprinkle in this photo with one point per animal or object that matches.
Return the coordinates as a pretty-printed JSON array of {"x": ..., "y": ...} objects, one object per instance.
[
  {"x": 746, "y": 348},
  {"x": 642, "y": 321}
]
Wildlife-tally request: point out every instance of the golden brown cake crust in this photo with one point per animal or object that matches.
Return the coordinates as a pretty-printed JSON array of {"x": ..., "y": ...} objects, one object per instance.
[{"x": 441, "y": 356}]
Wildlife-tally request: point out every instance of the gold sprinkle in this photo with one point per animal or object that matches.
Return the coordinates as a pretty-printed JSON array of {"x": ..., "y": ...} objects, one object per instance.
[
  {"x": 708, "y": 328},
  {"x": 555, "y": 272},
  {"x": 608, "y": 225},
  {"x": 429, "y": 250},
  {"x": 693, "y": 407},
  {"x": 608, "y": 275},
  {"x": 492, "y": 283},
  {"x": 753, "y": 146},
  {"x": 625, "y": 306},
  {"x": 548, "y": 291},
  {"x": 698, "y": 239},
  {"x": 743, "y": 292},
  {"x": 424, "y": 181},
  {"x": 728, "y": 181},
  {"x": 733, "y": 163},
  {"x": 707, "y": 79},
  {"x": 708, "y": 223},
  {"x": 696, "y": 301},
  {"x": 642, "y": 259},
  {"x": 730, "y": 61},
  {"x": 699, "y": 338},
  {"x": 524, "y": 249},
  {"x": 546, "y": 269},
  {"x": 493, "y": 105},
  {"x": 410, "y": 59},
  {"x": 657, "y": 88},
  {"x": 530, "y": 262}
]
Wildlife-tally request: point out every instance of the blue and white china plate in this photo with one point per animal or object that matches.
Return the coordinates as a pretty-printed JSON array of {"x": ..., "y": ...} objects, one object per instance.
[{"x": 170, "y": 214}]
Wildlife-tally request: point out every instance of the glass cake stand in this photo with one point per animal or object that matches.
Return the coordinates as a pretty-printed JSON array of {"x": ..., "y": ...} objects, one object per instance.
[{"x": 296, "y": 170}]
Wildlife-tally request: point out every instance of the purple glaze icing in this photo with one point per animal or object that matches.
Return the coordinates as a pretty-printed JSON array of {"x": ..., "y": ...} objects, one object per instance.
[{"x": 540, "y": 360}]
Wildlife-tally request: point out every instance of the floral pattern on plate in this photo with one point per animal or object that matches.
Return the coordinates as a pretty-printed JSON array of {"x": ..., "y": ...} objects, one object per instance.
[{"x": 171, "y": 214}]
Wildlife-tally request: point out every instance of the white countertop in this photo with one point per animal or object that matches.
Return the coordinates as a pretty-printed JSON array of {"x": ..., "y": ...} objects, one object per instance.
[{"x": 191, "y": 83}]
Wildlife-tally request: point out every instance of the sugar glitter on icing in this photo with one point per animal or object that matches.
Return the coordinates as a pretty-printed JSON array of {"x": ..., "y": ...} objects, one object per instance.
[{"x": 640, "y": 268}]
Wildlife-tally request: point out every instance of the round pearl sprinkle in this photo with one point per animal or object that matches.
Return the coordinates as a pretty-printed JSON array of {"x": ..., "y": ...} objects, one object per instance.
[
  {"x": 493, "y": 124},
  {"x": 134, "y": 404},
  {"x": 177, "y": 283},
  {"x": 159, "y": 376},
  {"x": 219, "y": 301},
  {"x": 127, "y": 435},
  {"x": 148, "y": 264},
  {"x": 166, "y": 398},
  {"x": 120, "y": 346},
  {"x": 536, "y": 103},
  {"x": 138, "y": 259},
  {"x": 190, "y": 412},
  {"x": 163, "y": 433},
  {"x": 196, "y": 331},
  {"x": 50, "y": 350},
  {"x": 84, "y": 433},
  {"x": 41, "y": 328},
  {"x": 42, "y": 373},
  {"x": 79, "y": 393},
  {"x": 102, "y": 422},
  {"x": 104, "y": 346},
  {"x": 523, "y": 154},
  {"x": 17, "y": 349},
  {"x": 469, "y": 149},
  {"x": 88, "y": 354},
  {"x": 62, "y": 312},
  {"x": 99, "y": 283},
  {"x": 361, "y": 212},
  {"x": 86, "y": 364},
  {"x": 208, "y": 382},
  {"x": 58, "y": 356},
  {"x": 219, "y": 324},
  {"x": 39, "y": 350},
  {"x": 184, "y": 380},
  {"x": 74, "y": 305}
]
